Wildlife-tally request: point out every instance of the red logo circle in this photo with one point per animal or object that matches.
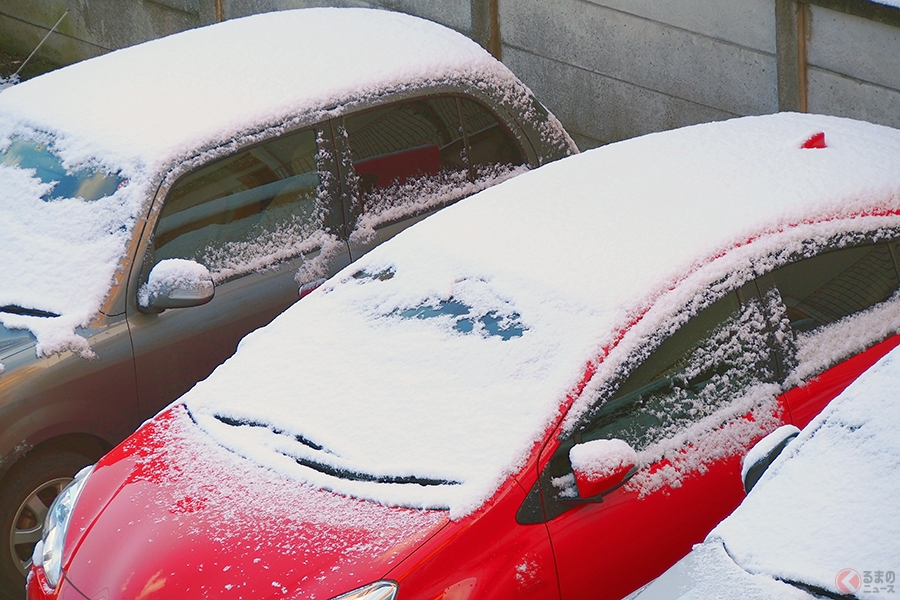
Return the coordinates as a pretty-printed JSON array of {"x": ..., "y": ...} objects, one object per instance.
[{"x": 848, "y": 581}]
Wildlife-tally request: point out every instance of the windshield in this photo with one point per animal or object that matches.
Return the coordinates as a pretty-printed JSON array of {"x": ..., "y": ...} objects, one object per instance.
[
  {"x": 65, "y": 226},
  {"x": 86, "y": 183}
]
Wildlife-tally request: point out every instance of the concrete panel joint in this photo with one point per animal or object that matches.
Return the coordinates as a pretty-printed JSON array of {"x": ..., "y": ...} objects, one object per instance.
[
  {"x": 486, "y": 26},
  {"x": 790, "y": 48}
]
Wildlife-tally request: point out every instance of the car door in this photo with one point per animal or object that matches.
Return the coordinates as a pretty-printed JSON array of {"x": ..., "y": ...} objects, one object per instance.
[
  {"x": 409, "y": 158},
  {"x": 841, "y": 320},
  {"x": 262, "y": 220},
  {"x": 689, "y": 407}
]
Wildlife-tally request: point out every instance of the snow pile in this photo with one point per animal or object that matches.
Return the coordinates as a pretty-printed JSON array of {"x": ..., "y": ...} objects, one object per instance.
[
  {"x": 592, "y": 258},
  {"x": 174, "y": 273},
  {"x": 601, "y": 458},
  {"x": 829, "y": 502}
]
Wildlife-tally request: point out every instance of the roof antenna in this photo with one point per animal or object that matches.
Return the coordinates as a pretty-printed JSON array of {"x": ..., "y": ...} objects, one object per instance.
[{"x": 52, "y": 29}]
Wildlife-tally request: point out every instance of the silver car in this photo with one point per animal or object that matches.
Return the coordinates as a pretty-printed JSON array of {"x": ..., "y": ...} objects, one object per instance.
[{"x": 161, "y": 201}]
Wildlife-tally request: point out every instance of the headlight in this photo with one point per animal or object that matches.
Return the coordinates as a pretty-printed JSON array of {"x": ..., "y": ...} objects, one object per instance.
[
  {"x": 380, "y": 590},
  {"x": 56, "y": 524}
]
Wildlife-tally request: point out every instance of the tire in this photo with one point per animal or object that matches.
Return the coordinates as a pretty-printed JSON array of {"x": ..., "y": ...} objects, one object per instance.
[{"x": 25, "y": 496}]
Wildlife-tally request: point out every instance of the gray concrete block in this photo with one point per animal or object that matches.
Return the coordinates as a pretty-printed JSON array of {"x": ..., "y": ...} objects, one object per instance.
[
  {"x": 651, "y": 55},
  {"x": 749, "y": 23},
  {"x": 597, "y": 109},
  {"x": 98, "y": 26},
  {"x": 242, "y": 8},
  {"x": 855, "y": 47},
  {"x": 834, "y": 94},
  {"x": 455, "y": 14}
]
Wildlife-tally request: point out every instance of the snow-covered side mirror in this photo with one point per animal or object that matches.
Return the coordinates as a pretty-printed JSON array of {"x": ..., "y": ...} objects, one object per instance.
[
  {"x": 176, "y": 283},
  {"x": 764, "y": 453},
  {"x": 601, "y": 465}
]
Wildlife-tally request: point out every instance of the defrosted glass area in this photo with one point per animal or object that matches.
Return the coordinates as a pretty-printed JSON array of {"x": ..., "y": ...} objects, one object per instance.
[{"x": 86, "y": 184}]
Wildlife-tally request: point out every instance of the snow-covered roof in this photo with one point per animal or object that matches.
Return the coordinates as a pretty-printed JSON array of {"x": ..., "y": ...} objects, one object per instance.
[
  {"x": 137, "y": 111},
  {"x": 156, "y": 100},
  {"x": 446, "y": 353}
]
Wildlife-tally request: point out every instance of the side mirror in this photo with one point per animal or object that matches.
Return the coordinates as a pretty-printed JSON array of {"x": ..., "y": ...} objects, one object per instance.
[
  {"x": 601, "y": 465},
  {"x": 764, "y": 453},
  {"x": 176, "y": 283}
]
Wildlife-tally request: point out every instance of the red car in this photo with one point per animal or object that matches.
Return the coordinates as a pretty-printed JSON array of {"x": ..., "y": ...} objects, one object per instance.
[{"x": 544, "y": 391}]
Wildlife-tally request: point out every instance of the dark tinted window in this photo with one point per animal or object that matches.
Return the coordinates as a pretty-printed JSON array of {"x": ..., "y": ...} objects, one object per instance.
[
  {"x": 405, "y": 150},
  {"x": 245, "y": 211},
  {"x": 412, "y": 157},
  {"x": 490, "y": 143},
  {"x": 825, "y": 288},
  {"x": 713, "y": 359}
]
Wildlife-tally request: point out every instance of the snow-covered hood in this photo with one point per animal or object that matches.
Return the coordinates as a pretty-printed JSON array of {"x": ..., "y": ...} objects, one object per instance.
[
  {"x": 829, "y": 502},
  {"x": 192, "y": 520},
  {"x": 448, "y": 353}
]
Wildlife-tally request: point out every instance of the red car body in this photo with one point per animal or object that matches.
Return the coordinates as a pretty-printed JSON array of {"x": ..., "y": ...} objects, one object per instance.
[
  {"x": 428, "y": 555},
  {"x": 172, "y": 513}
]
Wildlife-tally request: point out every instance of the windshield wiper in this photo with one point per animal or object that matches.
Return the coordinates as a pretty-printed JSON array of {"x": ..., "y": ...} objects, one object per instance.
[
  {"x": 26, "y": 312},
  {"x": 325, "y": 469},
  {"x": 355, "y": 476},
  {"x": 242, "y": 423},
  {"x": 817, "y": 591}
]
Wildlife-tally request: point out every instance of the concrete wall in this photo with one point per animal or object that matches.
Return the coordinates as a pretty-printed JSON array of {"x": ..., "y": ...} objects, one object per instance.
[
  {"x": 853, "y": 67},
  {"x": 619, "y": 68},
  {"x": 610, "y": 69}
]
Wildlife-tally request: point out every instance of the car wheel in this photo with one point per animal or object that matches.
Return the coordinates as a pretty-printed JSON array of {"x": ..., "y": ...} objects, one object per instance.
[{"x": 25, "y": 497}]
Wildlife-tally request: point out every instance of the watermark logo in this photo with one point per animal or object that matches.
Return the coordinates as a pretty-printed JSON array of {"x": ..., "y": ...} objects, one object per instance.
[{"x": 848, "y": 581}]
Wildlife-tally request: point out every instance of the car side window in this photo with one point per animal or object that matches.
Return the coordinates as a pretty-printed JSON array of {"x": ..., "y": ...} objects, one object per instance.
[
  {"x": 247, "y": 211},
  {"x": 714, "y": 358},
  {"x": 491, "y": 145},
  {"x": 404, "y": 152},
  {"x": 823, "y": 289},
  {"x": 415, "y": 156}
]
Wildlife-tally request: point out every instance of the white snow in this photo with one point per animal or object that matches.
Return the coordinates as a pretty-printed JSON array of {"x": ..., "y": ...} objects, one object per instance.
[
  {"x": 600, "y": 458},
  {"x": 392, "y": 370},
  {"x": 156, "y": 100},
  {"x": 287, "y": 519},
  {"x": 764, "y": 446},
  {"x": 139, "y": 111},
  {"x": 829, "y": 502},
  {"x": 173, "y": 272}
]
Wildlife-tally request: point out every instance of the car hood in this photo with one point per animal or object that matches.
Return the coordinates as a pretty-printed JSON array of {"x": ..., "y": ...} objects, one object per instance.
[
  {"x": 709, "y": 572},
  {"x": 189, "y": 518}
]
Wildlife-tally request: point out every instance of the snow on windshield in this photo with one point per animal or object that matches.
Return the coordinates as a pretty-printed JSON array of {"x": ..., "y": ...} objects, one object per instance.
[
  {"x": 371, "y": 388},
  {"x": 829, "y": 502},
  {"x": 59, "y": 250}
]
